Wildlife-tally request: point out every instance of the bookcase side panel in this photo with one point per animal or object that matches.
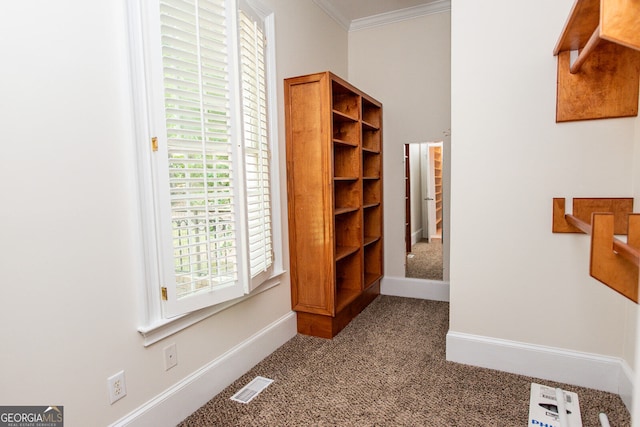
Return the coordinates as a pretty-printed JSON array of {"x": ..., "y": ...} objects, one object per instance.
[{"x": 310, "y": 201}]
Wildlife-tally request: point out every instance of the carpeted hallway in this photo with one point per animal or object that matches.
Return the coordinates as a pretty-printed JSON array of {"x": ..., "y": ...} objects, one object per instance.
[
  {"x": 425, "y": 260},
  {"x": 387, "y": 368}
]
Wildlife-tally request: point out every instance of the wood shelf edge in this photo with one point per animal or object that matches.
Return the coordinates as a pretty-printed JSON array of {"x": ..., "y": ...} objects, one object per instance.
[
  {"x": 583, "y": 18},
  {"x": 345, "y": 143},
  {"x": 603, "y": 82},
  {"x": 588, "y": 49},
  {"x": 370, "y": 126},
  {"x": 342, "y": 211},
  {"x": 370, "y": 239},
  {"x": 619, "y": 22},
  {"x": 584, "y": 207},
  {"x": 617, "y": 271},
  {"x": 612, "y": 261},
  {"x": 371, "y": 278},
  {"x": 344, "y": 251}
]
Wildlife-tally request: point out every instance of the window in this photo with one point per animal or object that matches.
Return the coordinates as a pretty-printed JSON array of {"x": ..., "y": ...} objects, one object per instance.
[{"x": 203, "y": 86}]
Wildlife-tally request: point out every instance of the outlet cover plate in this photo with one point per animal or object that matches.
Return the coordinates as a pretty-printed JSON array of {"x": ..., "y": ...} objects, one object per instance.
[
  {"x": 116, "y": 387},
  {"x": 170, "y": 357}
]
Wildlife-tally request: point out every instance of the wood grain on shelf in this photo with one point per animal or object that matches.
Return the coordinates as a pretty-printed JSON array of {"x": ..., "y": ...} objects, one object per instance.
[
  {"x": 344, "y": 251},
  {"x": 620, "y": 22},
  {"x": 310, "y": 222},
  {"x": 609, "y": 267},
  {"x": 605, "y": 87},
  {"x": 583, "y": 19},
  {"x": 603, "y": 81},
  {"x": 612, "y": 261},
  {"x": 621, "y": 207}
]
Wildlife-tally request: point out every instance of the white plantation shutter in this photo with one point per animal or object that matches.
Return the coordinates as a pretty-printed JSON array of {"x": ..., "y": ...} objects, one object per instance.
[
  {"x": 256, "y": 143},
  {"x": 206, "y": 188},
  {"x": 201, "y": 262}
]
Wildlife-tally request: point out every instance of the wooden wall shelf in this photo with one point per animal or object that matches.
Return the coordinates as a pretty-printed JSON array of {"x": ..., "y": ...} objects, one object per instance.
[
  {"x": 603, "y": 81},
  {"x": 612, "y": 261}
]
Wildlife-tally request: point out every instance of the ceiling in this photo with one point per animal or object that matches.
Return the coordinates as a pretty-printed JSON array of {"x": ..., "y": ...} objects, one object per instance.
[{"x": 357, "y": 14}]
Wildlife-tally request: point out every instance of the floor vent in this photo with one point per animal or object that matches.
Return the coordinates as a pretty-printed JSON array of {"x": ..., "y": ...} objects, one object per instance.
[{"x": 251, "y": 390}]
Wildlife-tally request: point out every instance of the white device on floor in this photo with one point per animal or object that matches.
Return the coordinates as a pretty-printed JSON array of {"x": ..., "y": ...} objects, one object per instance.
[{"x": 553, "y": 407}]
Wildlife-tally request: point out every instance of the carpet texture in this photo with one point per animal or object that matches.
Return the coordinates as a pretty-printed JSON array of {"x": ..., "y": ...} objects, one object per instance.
[
  {"x": 387, "y": 368},
  {"x": 425, "y": 261}
]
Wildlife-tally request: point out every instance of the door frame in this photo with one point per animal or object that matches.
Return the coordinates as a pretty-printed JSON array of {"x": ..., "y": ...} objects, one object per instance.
[{"x": 407, "y": 199}]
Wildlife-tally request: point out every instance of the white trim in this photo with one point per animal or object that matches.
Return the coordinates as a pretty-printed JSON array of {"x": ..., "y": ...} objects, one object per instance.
[
  {"x": 167, "y": 327},
  {"x": 182, "y": 399},
  {"x": 149, "y": 306},
  {"x": 625, "y": 389},
  {"x": 548, "y": 363},
  {"x": 416, "y": 236},
  {"x": 415, "y": 288},
  {"x": 329, "y": 9},
  {"x": 438, "y": 6}
]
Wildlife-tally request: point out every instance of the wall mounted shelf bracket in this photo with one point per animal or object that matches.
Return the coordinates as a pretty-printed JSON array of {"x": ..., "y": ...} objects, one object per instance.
[
  {"x": 612, "y": 261},
  {"x": 602, "y": 80}
]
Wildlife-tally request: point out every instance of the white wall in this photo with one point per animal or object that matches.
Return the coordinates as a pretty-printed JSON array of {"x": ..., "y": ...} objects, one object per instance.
[
  {"x": 406, "y": 66},
  {"x": 511, "y": 278},
  {"x": 69, "y": 308},
  {"x": 415, "y": 166}
]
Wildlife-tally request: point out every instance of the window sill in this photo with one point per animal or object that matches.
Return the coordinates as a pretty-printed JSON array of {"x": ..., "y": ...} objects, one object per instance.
[{"x": 164, "y": 328}]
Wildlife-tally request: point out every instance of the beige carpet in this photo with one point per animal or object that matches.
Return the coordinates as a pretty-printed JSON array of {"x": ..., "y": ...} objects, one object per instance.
[
  {"x": 387, "y": 368},
  {"x": 425, "y": 261}
]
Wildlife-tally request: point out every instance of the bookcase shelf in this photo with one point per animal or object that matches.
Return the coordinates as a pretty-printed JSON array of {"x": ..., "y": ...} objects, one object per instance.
[
  {"x": 344, "y": 251},
  {"x": 334, "y": 186},
  {"x": 341, "y": 142}
]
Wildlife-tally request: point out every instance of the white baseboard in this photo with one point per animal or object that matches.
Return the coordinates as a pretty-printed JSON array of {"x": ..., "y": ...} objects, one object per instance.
[
  {"x": 416, "y": 236},
  {"x": 185, "y": 397},
  {"x": 626, "y": 386},
  {"x": 415, "y": 288},
  {"x": 604, "y": 373}
]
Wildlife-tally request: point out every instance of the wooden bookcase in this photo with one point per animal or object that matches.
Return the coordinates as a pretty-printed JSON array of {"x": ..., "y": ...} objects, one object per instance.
[{"x": 334, "y": 185}]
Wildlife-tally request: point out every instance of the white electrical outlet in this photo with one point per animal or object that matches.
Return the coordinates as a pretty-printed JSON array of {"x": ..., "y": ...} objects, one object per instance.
[
  {"x": 170, "y": 357},
  {"x": 117, "y": 387}
]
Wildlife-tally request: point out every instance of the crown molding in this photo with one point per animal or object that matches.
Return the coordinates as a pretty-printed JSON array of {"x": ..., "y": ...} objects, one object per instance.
[
  {"x": 328, "y": 8},
  {"x": 438, "y": 6}
]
